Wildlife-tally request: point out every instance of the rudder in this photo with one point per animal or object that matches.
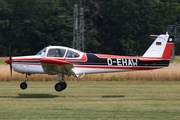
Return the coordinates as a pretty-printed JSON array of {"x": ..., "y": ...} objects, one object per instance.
[
  {"x": 161, "y": 47},
  {"x": 169, "y": 48}
]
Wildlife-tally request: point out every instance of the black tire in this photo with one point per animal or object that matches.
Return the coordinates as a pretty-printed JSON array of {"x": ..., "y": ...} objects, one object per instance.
[
  {"x": 23, "y": 85},
  {"x": 58, "y": 87},
  {"x": 63, "y": 85}
]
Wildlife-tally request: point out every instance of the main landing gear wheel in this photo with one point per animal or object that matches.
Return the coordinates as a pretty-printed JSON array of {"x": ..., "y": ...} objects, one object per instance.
[
  {"x": 23, "y": 85},
  {"x": 60, "y": 86}
]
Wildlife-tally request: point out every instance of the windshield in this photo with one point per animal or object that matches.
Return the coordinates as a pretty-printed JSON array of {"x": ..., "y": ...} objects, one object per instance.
[{"x": 41, "y": 52}]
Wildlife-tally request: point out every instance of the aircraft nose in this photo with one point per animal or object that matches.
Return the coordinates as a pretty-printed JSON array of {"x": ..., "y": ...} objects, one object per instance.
[{"x": 8, "y": 61}]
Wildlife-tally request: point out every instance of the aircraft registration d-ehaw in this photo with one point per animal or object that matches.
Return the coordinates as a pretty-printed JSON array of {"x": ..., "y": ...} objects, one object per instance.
[{"x": 61, "y": 61}]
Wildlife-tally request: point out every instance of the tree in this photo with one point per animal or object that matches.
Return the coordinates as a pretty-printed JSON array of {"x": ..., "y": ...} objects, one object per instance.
[{"x": 116, "y": 27}]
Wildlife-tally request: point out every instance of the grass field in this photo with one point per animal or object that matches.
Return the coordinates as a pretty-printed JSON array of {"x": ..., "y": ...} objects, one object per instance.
[
  {"x": 2, "y": 60},
  {"x": 91, "y": 100}
]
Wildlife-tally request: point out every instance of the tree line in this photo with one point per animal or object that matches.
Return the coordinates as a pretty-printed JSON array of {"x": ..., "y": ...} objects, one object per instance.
[{"x": 111, "y": 26}]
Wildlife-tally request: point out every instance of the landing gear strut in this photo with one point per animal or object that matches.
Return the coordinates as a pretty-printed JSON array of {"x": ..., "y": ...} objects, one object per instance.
[
  {"x": 24, "y": 85},
  {"x": 61, "y": 85}
]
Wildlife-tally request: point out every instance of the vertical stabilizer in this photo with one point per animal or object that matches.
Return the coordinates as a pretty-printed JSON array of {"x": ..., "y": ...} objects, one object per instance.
[{"x": 161, "y": 47}]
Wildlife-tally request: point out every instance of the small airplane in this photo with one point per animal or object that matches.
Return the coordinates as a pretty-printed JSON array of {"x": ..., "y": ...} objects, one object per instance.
[{"x": 61, "y": 61}]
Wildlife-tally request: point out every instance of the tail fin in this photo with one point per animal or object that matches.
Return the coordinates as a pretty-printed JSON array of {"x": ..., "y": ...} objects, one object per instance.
[{"x": 161, "y": 48}]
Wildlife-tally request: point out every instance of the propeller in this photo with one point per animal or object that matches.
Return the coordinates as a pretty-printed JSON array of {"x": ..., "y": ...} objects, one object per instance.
[{"x": 9, "y": 61}]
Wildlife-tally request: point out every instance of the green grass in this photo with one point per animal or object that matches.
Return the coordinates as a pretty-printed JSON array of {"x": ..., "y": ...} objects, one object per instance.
[
  {"x": 131, "y": 100},
  {"x": 2, "y": 60}
]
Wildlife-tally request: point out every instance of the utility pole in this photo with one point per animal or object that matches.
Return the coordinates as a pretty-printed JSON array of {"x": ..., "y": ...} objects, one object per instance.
[
  {"x": 174, "y": 30},
  {"x": 81, "y": 29},
  {"x": 75, "y": 28},
  {"x": 78, "y": 29}
]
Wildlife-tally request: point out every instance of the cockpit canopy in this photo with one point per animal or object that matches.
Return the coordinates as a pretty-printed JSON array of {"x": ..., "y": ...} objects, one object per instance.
[{"x": 59, "y": 51}]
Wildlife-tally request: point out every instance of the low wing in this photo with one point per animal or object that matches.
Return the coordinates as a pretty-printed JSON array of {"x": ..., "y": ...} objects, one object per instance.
[{"x": 55, "y": 66}]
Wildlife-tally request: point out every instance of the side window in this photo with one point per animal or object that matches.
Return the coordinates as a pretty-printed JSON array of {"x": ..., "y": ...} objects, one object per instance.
[
  {"x": 72, "y": 54},
  {"x": 55, "y": 52}
]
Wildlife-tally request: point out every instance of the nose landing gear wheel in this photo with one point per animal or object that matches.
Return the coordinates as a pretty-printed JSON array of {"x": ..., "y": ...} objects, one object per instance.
[{"x": 23, "y": 85}]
